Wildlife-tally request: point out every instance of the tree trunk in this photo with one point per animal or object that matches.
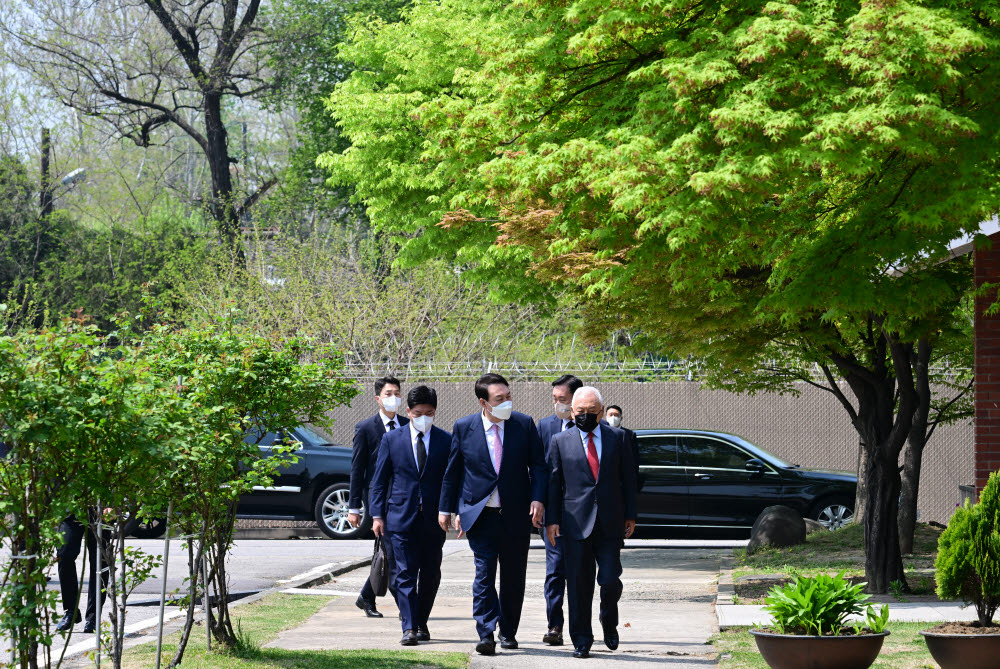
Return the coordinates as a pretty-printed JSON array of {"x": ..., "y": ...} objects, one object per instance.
[
  {"x": 883, "y": 560},
  {"x": 223, "y": 206},
  {"x": 861, "y": 496},
  {"x": 910, "y": 487}
]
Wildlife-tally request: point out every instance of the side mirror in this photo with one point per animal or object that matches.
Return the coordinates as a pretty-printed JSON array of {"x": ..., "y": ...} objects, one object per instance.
[{"x": 755, "y": 467}]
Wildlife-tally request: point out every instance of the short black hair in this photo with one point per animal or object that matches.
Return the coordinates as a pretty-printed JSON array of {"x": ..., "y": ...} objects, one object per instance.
[
  {"x": 614, "y": 406},
  {"x": 422, "y": 395},
  {"x": 385, "y": 381},
  {"x": 485, "y": 381},
  {"x": 569, "y": 381}
]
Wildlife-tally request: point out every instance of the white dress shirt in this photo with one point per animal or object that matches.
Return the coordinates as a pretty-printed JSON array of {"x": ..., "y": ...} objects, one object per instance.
[
  {"x": 597, "y": 442},
  {"x": 494, "y": 499},
  {"x": 413, "y": 444},
  {"x": 566, "y": 424}
]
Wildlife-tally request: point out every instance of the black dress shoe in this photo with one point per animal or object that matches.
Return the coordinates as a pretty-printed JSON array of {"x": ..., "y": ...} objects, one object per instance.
[
  {"x": 423, "y": 634},
  {"x": 508, "y": 643},
  {"x": 90, "y": 626},
  {"x": 553, "y": 637},
  {"x": 611, "y": 638},
  {"x": 409, "y": 638},
  {"x": 368, "y": 607},
  {"x": 581, "y": 653},
  {"x": 67, "y": 621},
  {"x": 486, "y": 646}
]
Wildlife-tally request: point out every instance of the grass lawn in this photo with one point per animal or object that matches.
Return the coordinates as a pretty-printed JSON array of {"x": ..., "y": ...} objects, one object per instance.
[
  {"x": 904, "y": 648},
  {"x": 841, "y": 550},
  {"x": 261, "y": 621}
]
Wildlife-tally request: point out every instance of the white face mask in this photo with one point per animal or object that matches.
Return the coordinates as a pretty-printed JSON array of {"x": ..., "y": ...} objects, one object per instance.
[
  {"x": 564, "y": 411},
  {"x": 502, "y": 410},
  {"x": 614, "y": 421},
  {"x": 391, "y": 404},
  {"x": 423, "y": 423}
]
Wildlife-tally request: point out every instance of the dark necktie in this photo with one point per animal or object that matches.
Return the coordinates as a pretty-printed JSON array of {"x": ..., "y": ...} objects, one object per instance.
[
  {"x": 391, "y": 425},
  {"x": 421, "y": 452},
  {"x": 567, "y": 425}
]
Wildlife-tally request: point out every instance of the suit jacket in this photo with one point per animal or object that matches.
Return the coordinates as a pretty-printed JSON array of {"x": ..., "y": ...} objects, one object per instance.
[
  {"x": 400, "y": 494},
  {"x": 367, "y": 436},
  {"x": 633, "y": 444},
  {"x": 471, "y": 477},
  {"x": 549, "y": 427},
  {"x": 576, "y": 501}
]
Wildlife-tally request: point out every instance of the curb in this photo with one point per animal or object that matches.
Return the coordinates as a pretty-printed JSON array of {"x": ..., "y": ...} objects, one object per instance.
[
  {"x": 247, "y": 533},
  {"x": 725, "y": 591}
]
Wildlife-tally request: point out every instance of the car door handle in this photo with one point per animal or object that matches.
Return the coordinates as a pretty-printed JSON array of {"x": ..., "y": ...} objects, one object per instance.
[{"x": 702, "y": 476}]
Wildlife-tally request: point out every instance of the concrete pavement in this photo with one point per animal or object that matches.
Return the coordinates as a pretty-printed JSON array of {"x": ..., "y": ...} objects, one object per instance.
[{"x": 667, "y": 614}]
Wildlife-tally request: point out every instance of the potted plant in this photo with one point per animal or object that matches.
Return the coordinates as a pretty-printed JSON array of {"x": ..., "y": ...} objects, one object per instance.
[
  {"x": 968, "y": 568},
  {"x": 811, "y": 628}
]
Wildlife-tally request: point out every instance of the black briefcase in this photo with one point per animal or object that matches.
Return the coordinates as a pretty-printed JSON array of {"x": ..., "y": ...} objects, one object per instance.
[{"x": 379, "y": 576}]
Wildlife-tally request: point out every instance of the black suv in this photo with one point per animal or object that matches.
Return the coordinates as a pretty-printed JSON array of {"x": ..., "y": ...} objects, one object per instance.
[
  {"x": 718, "y": 483},
  {"x": 315, "y": 487}
]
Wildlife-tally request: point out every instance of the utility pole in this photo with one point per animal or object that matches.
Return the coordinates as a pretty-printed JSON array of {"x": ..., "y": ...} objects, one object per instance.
[{"x": 45, "y": 187}]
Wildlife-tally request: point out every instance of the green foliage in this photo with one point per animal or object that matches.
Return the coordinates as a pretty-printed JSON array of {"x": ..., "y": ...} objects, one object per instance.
[
  {"x": 968, "y": 562},
  {"x": 819, "y": 605}
]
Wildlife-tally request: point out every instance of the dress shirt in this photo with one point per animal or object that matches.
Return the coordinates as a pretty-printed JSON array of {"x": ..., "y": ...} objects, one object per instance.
[
  {"x": 566, "y": 424},
  {"x": 413, "y": 445},
  {"x": 494, "y": 499},
  {"x": 597, "y": 442}
]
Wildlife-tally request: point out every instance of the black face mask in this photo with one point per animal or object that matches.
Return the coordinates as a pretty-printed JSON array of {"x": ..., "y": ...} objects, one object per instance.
[{"x": 587, "y": 422}]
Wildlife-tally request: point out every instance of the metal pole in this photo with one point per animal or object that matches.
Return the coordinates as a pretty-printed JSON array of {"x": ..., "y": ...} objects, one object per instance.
[
  {"x": 98, "y": 562},
  {"x": 163, "y": 586},
  {"x": 205, "y": 598}
]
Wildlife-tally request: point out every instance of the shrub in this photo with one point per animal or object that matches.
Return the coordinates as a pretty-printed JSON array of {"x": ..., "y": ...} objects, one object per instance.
[
  {"x": 820, "y": 605},
  {"x": 968, "y": 561}
]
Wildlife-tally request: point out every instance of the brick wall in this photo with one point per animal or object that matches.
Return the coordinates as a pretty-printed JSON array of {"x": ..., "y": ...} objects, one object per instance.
[{"x": 987, "y": 367}]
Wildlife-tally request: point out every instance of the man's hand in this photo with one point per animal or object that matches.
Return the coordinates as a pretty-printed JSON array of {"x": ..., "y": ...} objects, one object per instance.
[
  {"x": 537, "y": 511},
  {"x": 378, "y": 527},
  {"x": 444, "y": 520},
  {"x": 458, "y": 525},
  {"x": 353, "y": 519},
  {"x": 553, "y": 532},
  {"x": 629, "y": 528}
]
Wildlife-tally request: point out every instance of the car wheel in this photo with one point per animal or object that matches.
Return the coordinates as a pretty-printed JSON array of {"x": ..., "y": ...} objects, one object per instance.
[
  {"x": 331, "y": 510},
  {"x": 833, "y": 513},
  {"x": 151, "y": 528}
]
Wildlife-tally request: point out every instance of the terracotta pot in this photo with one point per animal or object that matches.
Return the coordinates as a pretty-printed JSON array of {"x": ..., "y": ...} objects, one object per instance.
[
  {"x": 792, "y": 651},
  {"x": 964, "y": 651}
]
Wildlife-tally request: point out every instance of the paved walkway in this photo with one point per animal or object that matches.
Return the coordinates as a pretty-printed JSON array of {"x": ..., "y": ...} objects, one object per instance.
[{"x": 667, "y": 615}]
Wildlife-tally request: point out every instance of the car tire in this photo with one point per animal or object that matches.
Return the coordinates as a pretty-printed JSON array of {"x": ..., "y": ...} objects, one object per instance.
[
  {"x": 330, "y": 512},
  {"x": 151, "y": 528},
  {"x": 833, "y": 512}
]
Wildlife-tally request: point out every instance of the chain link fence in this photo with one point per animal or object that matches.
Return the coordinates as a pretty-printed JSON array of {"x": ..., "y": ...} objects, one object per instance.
[{"x": 811, "y": 429}]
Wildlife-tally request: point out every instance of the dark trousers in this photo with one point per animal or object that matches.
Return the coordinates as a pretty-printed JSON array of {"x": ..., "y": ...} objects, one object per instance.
[
  {"x": 417, "y": 553},
  {"x": 69, "y": 583},
  {"x": 367, "y": 592},
  {"x": 582, "y": 557},
  {"x": 493, "y": 545},
  {"x": 555, "y": 581}
]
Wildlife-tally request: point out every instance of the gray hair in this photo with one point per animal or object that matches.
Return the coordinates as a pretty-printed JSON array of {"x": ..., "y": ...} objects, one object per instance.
[{"x": 588, "y": 390}]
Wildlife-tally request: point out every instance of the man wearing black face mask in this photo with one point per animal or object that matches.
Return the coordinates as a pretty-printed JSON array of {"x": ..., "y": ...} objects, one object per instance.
[{"x": 592, "y": 493}]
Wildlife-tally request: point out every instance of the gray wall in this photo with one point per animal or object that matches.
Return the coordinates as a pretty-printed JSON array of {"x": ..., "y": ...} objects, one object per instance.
[{"x": 812, "y": 429}]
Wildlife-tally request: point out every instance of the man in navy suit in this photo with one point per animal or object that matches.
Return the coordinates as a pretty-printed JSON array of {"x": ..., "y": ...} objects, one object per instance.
[
  {"x": 367, "y": 437},
  {"x": 406, "y": 490},
  {"x": 592, "y": 492},
  {"x": 555, "y": 574},
  {"x": 495, "y": 481},
  {"x": 614, "y": 417}
]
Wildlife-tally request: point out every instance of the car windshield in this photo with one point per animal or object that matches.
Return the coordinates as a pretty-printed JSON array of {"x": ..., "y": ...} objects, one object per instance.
[
  {"x": 311, "y": 436},
  {"x": 778, "y": 462}
]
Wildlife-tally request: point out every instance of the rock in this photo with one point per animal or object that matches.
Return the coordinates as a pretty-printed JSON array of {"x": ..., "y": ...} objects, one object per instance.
[
  {"x": 777, "y": 526},
  {"x": 814, "y": 526}
]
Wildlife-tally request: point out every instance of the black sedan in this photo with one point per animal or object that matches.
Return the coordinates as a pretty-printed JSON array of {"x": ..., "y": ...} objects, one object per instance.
[
  {"x": 717, "y": 482},
  {"x": 315, "y": 487}
]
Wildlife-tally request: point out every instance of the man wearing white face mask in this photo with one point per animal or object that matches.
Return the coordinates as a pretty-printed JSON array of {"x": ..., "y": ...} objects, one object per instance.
[
  {"x": 555, "y": 574},
  {"x": 495, "y": 481},
  {"x": 367, "y": 437},
  {"x": 406, "y": 490},
  {"x": 614, "y": 417}
]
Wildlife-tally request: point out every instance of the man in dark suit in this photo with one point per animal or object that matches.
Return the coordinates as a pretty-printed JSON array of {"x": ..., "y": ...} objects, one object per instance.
[
  {"x": 592, "y": 492},
  {"x": 367, "y": 437},
  {"x": 495, "y": 482},
  {"x": 614, "y": 416},
  {"x": 555, "y": 574},
  {"x": 75, "y": 535},
  {"x": 405, "y": 493}
]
